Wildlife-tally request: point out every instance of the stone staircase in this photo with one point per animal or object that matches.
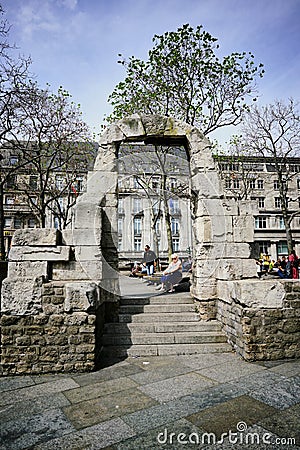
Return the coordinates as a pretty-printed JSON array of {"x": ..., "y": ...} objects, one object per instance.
[{"x": 161, "y": 325}]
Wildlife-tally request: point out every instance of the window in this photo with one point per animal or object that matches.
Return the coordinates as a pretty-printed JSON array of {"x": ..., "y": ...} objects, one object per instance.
[
  {"x": 155, "y": 183},
  {"x": 13, "y": 160},
  {"x": 277, "y": 201},
  {"x": 252, "y": 184},
  {"x": 7, "y": 222},
  {"x": 18, "y": 223},
  {"x": 136, "y": 183},
  {"x": 276, "y": 185},
  {"x": 175, "y": 226},
  {"x": 260, "y": 222},
  {"x": 174, "y": 206},
  {"x": 173, "y": 183},
  {"x": 298, "y": 184},
  {"x": 137, "y": 226},
  {"x": 137, "y": 205},
  {"x": 281, "y": 223},
  {"x": 282, "y": 248},
  {"x": 120, "y": 243},
  {"x": 236, "y": 183},
  {"x": 157, "y": 227},
  {"x": 261, "y": 202},
  {"x": 33, "y": 182},
  {"x": 31, "y": 222},
  {"x": 260, "y": 184},
  {"x": 137, "y": 244},
  {"x": 120, "y": 226},
  {"x": 9, "y": 200},
  {"x": 59, "y": 182},
  {"x": 79, "y": 184},
  {"x": 175, "y": 244},
  {"x": 11, "y": 181},
  {"x": 228, "y": 183},
  {"x": 121, "y": 206},
  {"x": 56, "y": 222}
]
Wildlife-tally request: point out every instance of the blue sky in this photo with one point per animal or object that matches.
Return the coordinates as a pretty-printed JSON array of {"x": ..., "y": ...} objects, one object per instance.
[{"x": 75, "y": 43}]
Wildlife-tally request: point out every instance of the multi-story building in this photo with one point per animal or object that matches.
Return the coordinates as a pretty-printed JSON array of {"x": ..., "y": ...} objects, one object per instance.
[
  {"x": 150, "y": 187},
  {"x": 259, "y": 177},
  {"x": 20, "y": 194}
]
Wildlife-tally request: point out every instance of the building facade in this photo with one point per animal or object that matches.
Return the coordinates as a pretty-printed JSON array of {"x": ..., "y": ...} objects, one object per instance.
[{"x": 259, "y": 177}]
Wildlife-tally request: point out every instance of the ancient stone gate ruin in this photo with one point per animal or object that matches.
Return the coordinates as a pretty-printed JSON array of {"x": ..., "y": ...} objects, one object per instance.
[{"x": 63, "y": 286}]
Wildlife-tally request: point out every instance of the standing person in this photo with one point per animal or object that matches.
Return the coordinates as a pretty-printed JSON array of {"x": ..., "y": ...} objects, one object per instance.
[
  {"x": 294, "y": 261},
  {"x": 149, "y": 260},
  {"x": 172, "y": 275}
]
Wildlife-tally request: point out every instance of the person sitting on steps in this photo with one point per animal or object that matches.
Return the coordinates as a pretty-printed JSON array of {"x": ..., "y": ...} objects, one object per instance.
[{"x": 172, "y": 275}]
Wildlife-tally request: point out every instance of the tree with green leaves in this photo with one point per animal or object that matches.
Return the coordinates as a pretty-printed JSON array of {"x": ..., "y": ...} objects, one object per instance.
[{"x": 184, "y": 78}]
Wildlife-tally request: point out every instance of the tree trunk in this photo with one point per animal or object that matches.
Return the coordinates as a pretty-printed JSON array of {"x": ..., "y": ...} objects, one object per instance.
[{"x": 2, "y": 242}]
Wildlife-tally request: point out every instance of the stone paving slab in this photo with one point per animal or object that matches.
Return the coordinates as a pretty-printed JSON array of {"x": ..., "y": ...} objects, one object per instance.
[
  {"x": 104, "y": 408},
  {"x": 96, "y": 437},
  {"x": 225, "y": 416},
  {"x": 25, "y": 432},
  {"x": 171, "y": 388},
  {"x": 101, "y": 389},
  {"x": 20, "y": 410},
  {"x": 31, "y": 392}
]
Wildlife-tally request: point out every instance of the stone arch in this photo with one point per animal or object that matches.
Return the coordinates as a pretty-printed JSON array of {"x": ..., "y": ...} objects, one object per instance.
[{"x": 220, "y": 251}]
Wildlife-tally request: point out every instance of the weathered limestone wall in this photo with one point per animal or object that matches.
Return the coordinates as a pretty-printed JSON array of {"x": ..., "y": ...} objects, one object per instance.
[
  {"x": 59, "y": 337},
  {"x": 48, "y": 326},
  {"x": 261, "y": 318}
]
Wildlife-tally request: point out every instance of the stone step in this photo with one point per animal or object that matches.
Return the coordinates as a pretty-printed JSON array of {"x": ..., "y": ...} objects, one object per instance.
[
  {"x": 157, "y": 308},
  {"x": 157, "y": 300},
  {"x": 164, "y": 327},
  {"x": 165, "y": 349},
  {"x": 164, "y": 338},
  {"x": 159, "y": 317}
]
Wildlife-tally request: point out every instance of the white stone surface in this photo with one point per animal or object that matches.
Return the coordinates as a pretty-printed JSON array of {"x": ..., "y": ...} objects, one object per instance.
[
  {"x": 36, "y": 237},
  {"x": 59, "y": 253},
  {"x": 252, "y": 293},
  {"x": 27, "y": 269},
  {"x": 21, "y": 296},
  {"x": 80, "y": 296}
]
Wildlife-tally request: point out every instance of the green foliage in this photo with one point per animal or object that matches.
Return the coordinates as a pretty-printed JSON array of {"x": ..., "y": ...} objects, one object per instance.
[{"x": 184, "y": 78}]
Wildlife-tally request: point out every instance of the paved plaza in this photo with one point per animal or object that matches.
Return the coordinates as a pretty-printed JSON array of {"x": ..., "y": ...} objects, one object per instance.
[{"x": 203, "y": 401}]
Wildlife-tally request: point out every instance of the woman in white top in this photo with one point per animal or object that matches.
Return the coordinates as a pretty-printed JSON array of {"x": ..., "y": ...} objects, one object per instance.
[{"x": 172, "y": 275}]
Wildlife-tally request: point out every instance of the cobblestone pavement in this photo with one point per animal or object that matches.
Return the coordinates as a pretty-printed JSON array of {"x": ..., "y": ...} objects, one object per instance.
[{"x": 204, "y": 401}]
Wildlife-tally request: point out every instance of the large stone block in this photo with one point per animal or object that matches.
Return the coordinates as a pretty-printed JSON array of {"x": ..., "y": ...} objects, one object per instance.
[
  {"x": 81, "y": 237},
  {"x": 81, "y": 296},
  {"x": 207, "y": 183},
  {"x": 243, "y": 228},
  {"x": 28, "y": 269},
  {"x": 37, "y": 237},
  {"x": 252, "y": 293},
  {"x": 29, "y": 253},
  {"x": 88, "y": 213},
  {"x": 21, "y": 296},
  {"x": 235, "y": 269},
  {"x": 83, "y": 270},
  {"x": 223, "y": 250},
  {"x": 102, "y": 183}
]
